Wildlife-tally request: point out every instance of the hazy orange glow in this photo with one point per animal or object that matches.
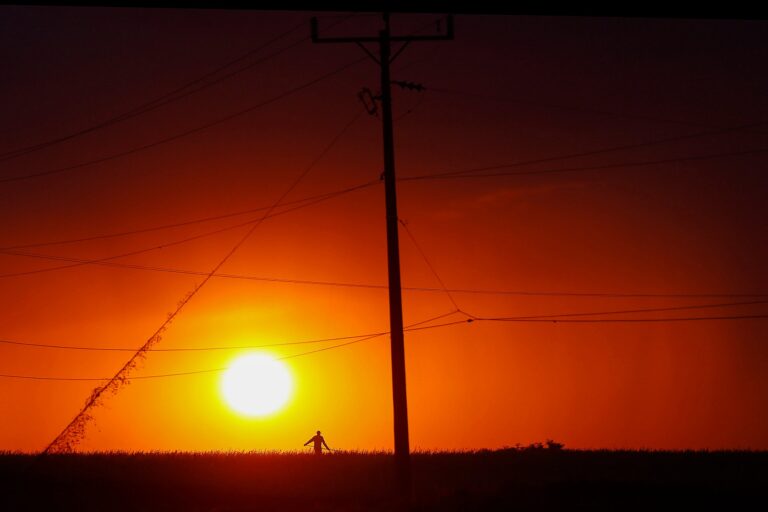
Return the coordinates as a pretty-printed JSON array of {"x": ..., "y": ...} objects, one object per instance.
[{"x": 671, "y": 232}]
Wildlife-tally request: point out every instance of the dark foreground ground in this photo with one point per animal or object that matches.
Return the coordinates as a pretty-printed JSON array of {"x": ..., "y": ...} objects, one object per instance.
[{"x": 484, "y": 481}]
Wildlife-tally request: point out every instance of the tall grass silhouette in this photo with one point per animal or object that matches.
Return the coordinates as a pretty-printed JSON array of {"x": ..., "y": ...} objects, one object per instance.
[{"x": 489, "y": 480}]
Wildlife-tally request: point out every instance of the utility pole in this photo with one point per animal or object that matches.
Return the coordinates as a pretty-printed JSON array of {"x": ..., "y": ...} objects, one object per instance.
[{"x": 385, "y": 58}]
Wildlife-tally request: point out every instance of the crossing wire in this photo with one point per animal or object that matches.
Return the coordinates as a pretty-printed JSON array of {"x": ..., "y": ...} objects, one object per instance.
[
  {"x": 469, "y": 173},
  {"x": 429, "y": 264},
  {"x": 412, "y": 327},
  {"x": 187, "y": 222},
  {"x": 543, "y": 318},
  {"x": 176, "y": 94},
  {"x": 78, "y": 262},
  {"x": 188, "y": 132},
  {"x": 624, "y": 320},
  {"x": 600, "y": 151},
  {"x": 107, "y": 261},
  {"x": 439, "y": 175},
  {"x": 377, "y": 335},
  {"x": 628, "y": 311},
  {"x": 524, "y": 293},
  {"x": 75, "y": 430}
]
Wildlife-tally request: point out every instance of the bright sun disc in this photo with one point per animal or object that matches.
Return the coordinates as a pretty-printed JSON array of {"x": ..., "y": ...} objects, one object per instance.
[{"x": 256, "y": 385}]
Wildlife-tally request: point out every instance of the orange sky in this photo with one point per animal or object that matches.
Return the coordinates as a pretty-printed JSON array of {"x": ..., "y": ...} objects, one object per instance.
[{"x": 561, "y": 86}]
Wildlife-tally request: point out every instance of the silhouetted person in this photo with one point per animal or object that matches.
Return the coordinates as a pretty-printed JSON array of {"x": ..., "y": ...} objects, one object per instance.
[{"x": 319, "y": 443}]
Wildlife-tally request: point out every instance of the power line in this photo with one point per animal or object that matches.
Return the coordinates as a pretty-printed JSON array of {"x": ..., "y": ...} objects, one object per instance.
[
  {"x": 469, "y": 172},
  {"x": 376, "y": 335},
  {"x": 593, "y": 152},
  {"x": 174, "y": 95},
  {"x": 412, "y": 327},
  {"x": 343, "y": 284},
  {"x": 188, "y": 222},
  {"x": 185, "y": 133},
  {"x": 216, "y": 370},
  {"x": 75, "y": 430},
  {"x": 77, "y": 262},
  {"x": 624, "y": 320},
  {"x": 184, "y": 349},
  {"x": 177, "y": 93},
  {"x": 531, "y": 293},
  {"x": 429, "y": 264},
  {"x": 441, "y": 175},
  {"x": 626, "y": 311}
]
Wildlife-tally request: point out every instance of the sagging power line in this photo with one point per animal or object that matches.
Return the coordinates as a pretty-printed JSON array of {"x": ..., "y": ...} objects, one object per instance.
[
  {"x": 412, "y": 327},
  {"x": 625, "y": 320},
  {"x": 470, "y": 173},
  {"x": 600, "y": 151},
  {"x": 630, "y": 311},
  {"x": 454, "y": 174},
  {"x": 107, "y": 260},
  {"x": 200, "y": 220},
  {"x": 378, "y": 335},
  {"x": 198, "y": 84},
  {"x": 185, "y": 133},
  {"x": 344, "y": 284}
]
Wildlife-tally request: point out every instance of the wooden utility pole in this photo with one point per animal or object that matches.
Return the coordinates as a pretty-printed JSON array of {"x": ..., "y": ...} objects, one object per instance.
[{"x": 399, "y": 397}]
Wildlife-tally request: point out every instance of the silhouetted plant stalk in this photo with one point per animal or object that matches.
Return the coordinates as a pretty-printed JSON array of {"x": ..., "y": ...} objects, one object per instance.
[{"x": 74, "y": 433}]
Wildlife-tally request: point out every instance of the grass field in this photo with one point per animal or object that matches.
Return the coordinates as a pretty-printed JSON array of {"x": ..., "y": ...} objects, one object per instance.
[{"x": 443, "y": 481}]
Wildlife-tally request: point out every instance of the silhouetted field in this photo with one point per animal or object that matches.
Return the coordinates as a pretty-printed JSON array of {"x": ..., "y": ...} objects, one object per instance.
[{"x": 486, "y": 480}]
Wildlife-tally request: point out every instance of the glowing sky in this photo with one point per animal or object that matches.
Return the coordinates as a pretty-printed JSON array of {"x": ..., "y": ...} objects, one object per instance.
[{"x": 508, "y": 89}]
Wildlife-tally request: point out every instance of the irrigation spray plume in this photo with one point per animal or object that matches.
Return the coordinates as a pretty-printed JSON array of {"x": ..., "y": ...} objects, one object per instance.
[{"x": 74, "y": 433}]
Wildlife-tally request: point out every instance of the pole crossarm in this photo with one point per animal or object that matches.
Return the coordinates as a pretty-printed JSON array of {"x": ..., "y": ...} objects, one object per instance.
[{"x": 447, "y": 36}]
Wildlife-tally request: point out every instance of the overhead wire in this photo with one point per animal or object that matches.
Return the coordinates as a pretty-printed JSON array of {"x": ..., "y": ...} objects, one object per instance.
[
  {"x": 593, "y": 152},
  {"x": 342, "y": 284},
  {"x": 188, "y": 132},
  {"x": 173, "y": 95},
  {"x": 178, "y": 93},
  {"x": 623, "y": 320},
  {"x": 412, "y": 327},
  {"x": 446, "y": 324},
  {"x": 469, "y": 173},
  {"x": 188, "y": 222},
  {"x": 415, "y": 327},
  {"x": 627, "y": 311},
  {"x": 429, "y": 264},
  {"x": 107, "y": 260},
  {"x": 439, "y": 175}
]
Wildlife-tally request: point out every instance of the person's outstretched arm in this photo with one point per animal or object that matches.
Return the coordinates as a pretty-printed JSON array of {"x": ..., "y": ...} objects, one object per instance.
[
  {"x": 305, "y": 444},
  {"x": 326, "y": 445}
]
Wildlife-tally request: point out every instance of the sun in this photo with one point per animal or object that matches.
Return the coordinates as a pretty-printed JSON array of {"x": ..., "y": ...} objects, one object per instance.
[{"x": 256, "y": 385}]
